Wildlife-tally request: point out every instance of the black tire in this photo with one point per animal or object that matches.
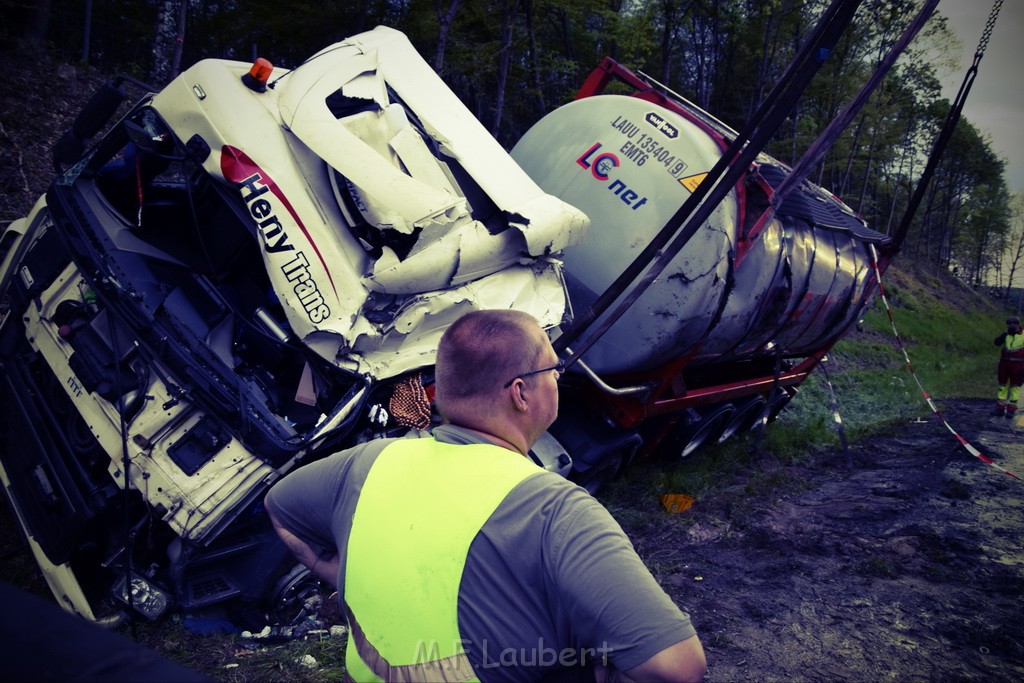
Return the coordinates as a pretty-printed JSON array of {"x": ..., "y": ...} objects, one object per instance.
[
  {"x": 704, "y": 427},
  {"x": 777, "y": 403},
  {"x": 747, "y": 414}
]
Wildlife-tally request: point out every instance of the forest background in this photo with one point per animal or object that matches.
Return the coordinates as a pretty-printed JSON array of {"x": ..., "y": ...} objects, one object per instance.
[{"x": 512, "y": 61}]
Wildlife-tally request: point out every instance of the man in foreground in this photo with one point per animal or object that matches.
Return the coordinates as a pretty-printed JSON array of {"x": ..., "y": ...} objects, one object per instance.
[{"x": 456, "y": 557}]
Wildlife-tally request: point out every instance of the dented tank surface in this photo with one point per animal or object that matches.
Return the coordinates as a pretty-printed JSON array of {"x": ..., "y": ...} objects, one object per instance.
[{"x": 747, "y": 284}]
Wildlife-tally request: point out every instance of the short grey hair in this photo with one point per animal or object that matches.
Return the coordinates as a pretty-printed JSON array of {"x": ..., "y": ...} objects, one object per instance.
[{"x": 481, "y": 351}]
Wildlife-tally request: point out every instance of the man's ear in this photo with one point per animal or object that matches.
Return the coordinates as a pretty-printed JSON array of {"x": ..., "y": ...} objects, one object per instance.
[{"x": 518, "y": 394}]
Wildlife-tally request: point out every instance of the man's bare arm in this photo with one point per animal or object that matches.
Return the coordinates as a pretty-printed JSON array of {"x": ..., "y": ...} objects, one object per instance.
[
  {"x": 683, "y": 662},
  {"x": 325, "y": 570}
]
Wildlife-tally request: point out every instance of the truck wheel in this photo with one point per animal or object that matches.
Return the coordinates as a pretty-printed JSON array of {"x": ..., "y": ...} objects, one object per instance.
[
  {"x": 702, "y": 427},
  {"x": 747, "y": 413},
  {"x": 292, "y": 598},
  {"x": 777, "y": 402},
  {"x": 295, "y": 596},
  {"x": 772, "y": 407}
]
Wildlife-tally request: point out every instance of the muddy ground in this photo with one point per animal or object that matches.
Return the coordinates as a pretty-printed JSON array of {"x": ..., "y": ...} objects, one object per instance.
[{"x": 907, "y": 566}]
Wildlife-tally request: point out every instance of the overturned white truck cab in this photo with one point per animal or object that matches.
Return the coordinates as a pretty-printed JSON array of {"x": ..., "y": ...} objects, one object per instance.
[{"x": 242, "y": 276}]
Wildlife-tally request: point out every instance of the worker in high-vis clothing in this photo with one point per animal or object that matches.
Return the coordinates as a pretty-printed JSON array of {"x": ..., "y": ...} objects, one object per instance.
[
  {"x": 457, "y": 558},
  {"x": 1011, "y": 367}
]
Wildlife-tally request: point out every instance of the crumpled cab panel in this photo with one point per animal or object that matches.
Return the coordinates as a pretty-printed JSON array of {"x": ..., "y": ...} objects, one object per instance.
[{"x": 231, "y": 282}]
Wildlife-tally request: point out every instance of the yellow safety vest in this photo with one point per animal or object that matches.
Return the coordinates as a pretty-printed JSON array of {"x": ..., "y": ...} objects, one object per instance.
[
  {"x": 421, "y": 506},
  {"x": 1013, "y": 347}
]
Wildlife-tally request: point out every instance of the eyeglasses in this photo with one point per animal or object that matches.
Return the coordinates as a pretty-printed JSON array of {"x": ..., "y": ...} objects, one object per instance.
[{"x": 559, "y": 368}]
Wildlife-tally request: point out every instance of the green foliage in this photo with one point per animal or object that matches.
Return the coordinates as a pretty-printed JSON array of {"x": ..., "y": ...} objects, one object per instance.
[{"x": 511, "y": 62}]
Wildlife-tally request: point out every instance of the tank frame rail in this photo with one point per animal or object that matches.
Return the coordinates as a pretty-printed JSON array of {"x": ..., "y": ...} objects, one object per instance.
[{"x": 629, "y": 411}]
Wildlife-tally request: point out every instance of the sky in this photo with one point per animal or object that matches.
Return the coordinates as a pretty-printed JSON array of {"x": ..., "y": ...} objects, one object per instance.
[{"x": 995, "y": 104}]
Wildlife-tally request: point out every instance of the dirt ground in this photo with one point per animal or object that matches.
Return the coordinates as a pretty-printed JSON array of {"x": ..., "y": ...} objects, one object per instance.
[{"x": 907, "y": 566}]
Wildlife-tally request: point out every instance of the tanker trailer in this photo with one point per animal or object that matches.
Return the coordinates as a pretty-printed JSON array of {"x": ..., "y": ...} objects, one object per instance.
[{"x": 742, "y": 314}]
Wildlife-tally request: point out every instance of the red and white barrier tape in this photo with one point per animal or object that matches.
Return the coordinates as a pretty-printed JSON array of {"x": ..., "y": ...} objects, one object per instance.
[
  {"x": 836, "y": 417},
  {"x": 928, "y": 399}
]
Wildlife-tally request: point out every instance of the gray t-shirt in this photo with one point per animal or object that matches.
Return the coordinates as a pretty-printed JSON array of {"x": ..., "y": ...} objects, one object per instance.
[{"x": 550, "y": 580}]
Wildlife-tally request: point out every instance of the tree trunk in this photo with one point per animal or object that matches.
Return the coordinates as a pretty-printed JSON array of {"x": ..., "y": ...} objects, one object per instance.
[
  {"x": 907, "y": 154},
  {"x": 167, "y": 41},
  {"x": 564, "y": 32},
  {"x": 179, "y": 38},
  {"x": 854, "y": 146},
  {"x": 534, "y": 57},
  {"x": 866, "y": 180},
  {"x": 508, "y": 20},
  {"x": 1018, "y": 253},
  {"x": 668, "y": 13},
  {"x": 925, "y": 235},
  {"x": 444, "y": 20},
  {"x": 38, "y": 27},
  {"x": 87, "y": 32}
]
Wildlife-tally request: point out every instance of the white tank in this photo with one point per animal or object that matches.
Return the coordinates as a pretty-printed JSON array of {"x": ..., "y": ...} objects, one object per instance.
[
  {"x": 747, "y": 284},
  {"x": 629, "y": 165}
]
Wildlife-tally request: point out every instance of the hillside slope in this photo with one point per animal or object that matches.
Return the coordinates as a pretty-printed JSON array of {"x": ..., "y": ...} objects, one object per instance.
[
  {"x": 946, "y": 329},
  {"x": 38, "y": 102}
]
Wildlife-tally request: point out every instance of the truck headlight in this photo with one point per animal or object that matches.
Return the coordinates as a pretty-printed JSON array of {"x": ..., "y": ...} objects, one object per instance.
[{"x": 146, "y": 599}]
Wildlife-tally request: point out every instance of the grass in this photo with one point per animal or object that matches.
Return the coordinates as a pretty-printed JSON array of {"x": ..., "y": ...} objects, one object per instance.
[{"x": 234, "y": 659}]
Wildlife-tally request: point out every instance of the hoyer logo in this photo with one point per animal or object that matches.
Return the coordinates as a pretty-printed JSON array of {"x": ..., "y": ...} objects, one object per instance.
[
  {"x": 600, "y": 164},
  {"x": 659, "y": 122},
  {"x": 264, "y": 199}
]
